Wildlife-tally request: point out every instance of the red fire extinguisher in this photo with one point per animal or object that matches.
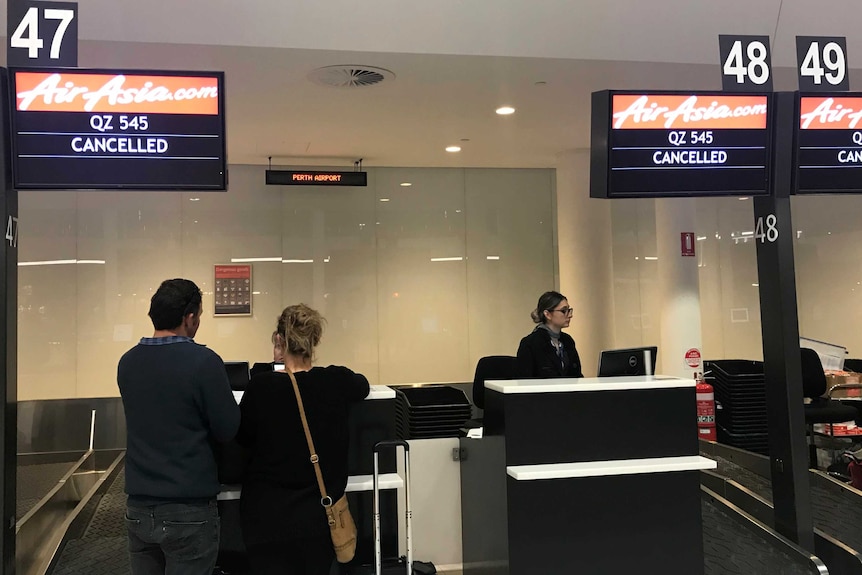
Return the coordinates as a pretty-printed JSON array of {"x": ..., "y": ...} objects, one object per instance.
[{"x": 705, "y": 409}]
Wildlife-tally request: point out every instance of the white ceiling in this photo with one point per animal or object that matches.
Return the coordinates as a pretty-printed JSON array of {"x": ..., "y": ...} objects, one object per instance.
[{"x": 454, "y": 62}]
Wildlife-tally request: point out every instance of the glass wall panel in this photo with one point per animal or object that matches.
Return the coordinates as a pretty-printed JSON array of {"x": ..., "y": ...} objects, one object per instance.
[{"x": 406, "y": 276}]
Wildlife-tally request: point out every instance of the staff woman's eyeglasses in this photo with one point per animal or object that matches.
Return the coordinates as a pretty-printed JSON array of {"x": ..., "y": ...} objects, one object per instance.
[{"x": 565, "y": 310}]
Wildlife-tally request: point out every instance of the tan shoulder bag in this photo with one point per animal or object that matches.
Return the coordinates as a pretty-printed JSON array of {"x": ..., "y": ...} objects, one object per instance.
[{"x": 341, "y": 525}]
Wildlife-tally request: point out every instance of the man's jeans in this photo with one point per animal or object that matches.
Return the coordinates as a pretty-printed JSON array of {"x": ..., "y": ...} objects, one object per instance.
[{"x": 173, "y": 538}]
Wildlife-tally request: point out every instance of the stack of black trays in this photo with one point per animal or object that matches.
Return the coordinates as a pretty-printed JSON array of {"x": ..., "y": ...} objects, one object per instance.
[
  {"x": 740, "y": 390},
  {"x": 430, "y": 411}
]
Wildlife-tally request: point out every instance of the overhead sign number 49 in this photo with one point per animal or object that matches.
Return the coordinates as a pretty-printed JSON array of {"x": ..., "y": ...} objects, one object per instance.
[
  {"x": 822, "y": 58},
  {"x": 26, "y": 35},
  {"x": 833, "y": 59}
]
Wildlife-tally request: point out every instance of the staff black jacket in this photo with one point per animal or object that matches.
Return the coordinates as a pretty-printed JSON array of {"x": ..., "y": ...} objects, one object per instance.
[{"x": 537, "y": 357}]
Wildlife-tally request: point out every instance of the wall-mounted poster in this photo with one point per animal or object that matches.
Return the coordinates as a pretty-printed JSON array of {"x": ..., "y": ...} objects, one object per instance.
[{"x": 232, "y": 290}]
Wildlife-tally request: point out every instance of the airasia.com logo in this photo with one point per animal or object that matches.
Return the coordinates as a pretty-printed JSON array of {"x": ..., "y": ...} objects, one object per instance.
[
  {"x": 53, "y": 90},
  {"x": 645, "y": 111},
  {"x": 828, "y": 113}
]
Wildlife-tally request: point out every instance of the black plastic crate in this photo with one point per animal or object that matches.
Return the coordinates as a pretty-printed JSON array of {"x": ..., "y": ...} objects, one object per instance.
[
  {"x": 736, "y": 369},
  {"x": 739, "y": 386},
  {"x": 430, "y": 412},
  {"x": 433, "y": 397},
  {"x": 432, "y": 415},
  {"x": 740, "y": 409},
  {"x": 743, "y": 416},
  {"x": 459, "y": 422}
]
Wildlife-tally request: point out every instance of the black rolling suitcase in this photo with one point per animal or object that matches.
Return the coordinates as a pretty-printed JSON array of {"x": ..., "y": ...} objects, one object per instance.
[{"x": 401, "y": 565}]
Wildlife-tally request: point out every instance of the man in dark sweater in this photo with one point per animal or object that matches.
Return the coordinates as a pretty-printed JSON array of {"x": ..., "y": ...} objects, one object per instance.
[{"x": 178, "y": 403}]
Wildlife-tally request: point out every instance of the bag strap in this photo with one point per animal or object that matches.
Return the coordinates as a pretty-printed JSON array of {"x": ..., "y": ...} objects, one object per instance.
[{"x": 325, "y": 499}]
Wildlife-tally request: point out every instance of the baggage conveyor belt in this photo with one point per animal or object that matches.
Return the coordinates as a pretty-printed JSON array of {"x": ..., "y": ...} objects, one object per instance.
[
  {"x": 736, "y": 544},
  {"x": 742, "y": 477},
  {"x": 35, "y": 481},
  {"x": 96, "y": 543}
]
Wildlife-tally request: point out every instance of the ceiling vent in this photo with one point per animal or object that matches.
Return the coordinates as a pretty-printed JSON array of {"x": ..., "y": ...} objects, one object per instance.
[{"x": 349, "y": 76}]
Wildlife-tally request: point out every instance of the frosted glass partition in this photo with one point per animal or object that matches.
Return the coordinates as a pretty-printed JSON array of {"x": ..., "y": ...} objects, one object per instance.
[
  {"x": 829, "y": 269},
  {"x": 416, "y": 282},
  {"x": 828, "y": 261},
  {"x": 727, "y": 264}
]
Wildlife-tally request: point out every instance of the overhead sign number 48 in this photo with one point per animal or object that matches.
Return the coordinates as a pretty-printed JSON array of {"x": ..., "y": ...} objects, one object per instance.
[
  {"x": 757, "y": 69},
  {"x": 746, "y": 64},
  {"x": 27, "y": 36}
]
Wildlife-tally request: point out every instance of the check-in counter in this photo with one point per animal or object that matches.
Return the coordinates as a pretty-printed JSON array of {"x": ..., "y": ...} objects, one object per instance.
[
  {"x": 371, "y": 421},
  {"x": 584, "y": 476}
]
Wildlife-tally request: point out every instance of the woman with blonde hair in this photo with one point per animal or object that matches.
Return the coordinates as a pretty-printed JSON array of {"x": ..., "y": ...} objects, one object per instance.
[{"x": 283, "y": 522}]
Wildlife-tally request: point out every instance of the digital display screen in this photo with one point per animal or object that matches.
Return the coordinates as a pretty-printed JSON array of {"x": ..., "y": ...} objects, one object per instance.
[
  {"x": 315, "y": 178},
  {"x": 679, "y": 144},
  {"x": 829, "y": 155},
  {"x": 100, "y": 129}
]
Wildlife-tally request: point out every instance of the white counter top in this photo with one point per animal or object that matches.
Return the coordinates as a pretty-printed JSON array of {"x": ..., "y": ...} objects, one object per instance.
[
  {"x": 377, "y": 392},
  {"x": 354, "y": 483},
  {"x": 381, "y": 392},
  {"x": 606, "y": 468},
  {"x": 565, "y": 385},
  {"x": 366, "y": 482}
]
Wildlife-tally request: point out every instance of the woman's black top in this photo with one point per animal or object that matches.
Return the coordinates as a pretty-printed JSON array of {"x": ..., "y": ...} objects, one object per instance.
[
  {"x": 280, "y": 497},
  {"x": 538, "y": 357}
]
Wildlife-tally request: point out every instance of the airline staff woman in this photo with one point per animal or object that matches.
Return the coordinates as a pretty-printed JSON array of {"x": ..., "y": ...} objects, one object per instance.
[{"x": 548, "y": 352}]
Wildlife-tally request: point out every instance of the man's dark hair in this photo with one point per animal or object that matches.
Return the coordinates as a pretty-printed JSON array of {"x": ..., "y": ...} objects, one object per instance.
[{"x": 173, "y": 301}]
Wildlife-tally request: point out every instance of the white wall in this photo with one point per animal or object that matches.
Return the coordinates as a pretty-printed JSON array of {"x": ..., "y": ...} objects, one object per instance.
[
  {"x": 585, "y": 258},
  {"x": 392, "y": 313}
]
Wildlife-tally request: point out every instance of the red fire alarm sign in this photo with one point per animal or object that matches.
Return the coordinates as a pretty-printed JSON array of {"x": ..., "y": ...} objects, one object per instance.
[{"x": 687, "y": 243}]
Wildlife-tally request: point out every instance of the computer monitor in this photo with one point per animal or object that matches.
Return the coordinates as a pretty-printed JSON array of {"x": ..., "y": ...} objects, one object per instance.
[
  {"x": 237, "y": 374},
  {"x": 632, "y": 361}
]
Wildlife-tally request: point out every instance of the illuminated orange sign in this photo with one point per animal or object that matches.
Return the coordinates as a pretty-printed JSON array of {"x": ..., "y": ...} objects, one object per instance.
[
  {"x": 680, "y": 111},
  {"x": 316, "y": 177},
  {"x": 830, "y": 113},
  {"x": 128, "y": 93}
]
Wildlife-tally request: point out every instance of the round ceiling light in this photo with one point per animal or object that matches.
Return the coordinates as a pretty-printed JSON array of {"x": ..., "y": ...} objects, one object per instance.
[
  {"x": 453, "y": 149},
  {"x": 505, "y": 110}
]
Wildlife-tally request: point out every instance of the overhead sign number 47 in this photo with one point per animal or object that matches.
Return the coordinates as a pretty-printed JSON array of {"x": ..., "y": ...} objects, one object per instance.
[{"x": 27, "y": 36}]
